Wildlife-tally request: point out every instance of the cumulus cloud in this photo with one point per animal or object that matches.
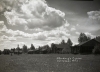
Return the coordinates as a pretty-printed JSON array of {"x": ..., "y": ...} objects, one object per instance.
[
  {"x": 77, "y": 24},
  {"x": 20, "y": 43},
  {"x": 35, "y": 14},
  {"x": 1, "y": 7},
  {"x": 59, "y": 32},
  {"x": 73, "y": 29},
  {"x": 1, "y": 22},
  {"x": 90, "y": 35},
  {"x": 2, "y": 26},
  {"x": 34, "y": 30},
  {"x": 77, "y": 33},
  {"x": 4, "y": 29},
  {"x": 94, "y": 15},
  {"x": 5, "y": 38},
  {"x": 6, "y": 5}
]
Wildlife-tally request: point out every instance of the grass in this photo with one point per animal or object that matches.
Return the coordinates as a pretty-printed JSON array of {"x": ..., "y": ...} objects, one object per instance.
[{"x": 49, "y": 63}]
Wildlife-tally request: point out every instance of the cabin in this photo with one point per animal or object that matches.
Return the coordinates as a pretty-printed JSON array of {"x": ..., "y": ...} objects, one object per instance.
[
  {"x": 61, "y": 48},
  {"x": 31, "y": 51},
  {"x": 66, "y": 49},
  {"x": 36, "y": 51},
  {"x": 75, "y": 49},
  {"x": 18, "y": 51},
  {"x": 45, "y": 49},
  {"x": 85, "y": 47},
  {"x": 12, "y": 50}
]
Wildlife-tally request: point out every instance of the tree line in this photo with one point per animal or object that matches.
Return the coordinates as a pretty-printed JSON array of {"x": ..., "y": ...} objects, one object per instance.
[{"x": 82, "y": 38}]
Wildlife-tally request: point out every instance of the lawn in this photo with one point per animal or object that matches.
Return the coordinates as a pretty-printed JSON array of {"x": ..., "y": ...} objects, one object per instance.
[{"x": 49, "y": 63}]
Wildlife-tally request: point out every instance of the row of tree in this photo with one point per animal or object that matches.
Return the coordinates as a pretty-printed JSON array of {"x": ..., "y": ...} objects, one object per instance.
[
  {"x": 25, "y": 49},
  {"x": 82, "y": 38}
]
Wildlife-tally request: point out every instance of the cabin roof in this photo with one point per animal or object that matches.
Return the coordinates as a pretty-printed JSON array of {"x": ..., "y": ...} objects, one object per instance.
[
  {"x": 61, "y": 45},
  {"x": 18, "y": 51},
  {"x": 94, "y": 40},
  {"x": 31, "y": 50},
  {"x": 43, "y": 48}
]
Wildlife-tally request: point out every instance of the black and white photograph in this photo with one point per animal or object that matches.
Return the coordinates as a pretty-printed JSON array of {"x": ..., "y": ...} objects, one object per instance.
[{"x": 49, "y": 36}]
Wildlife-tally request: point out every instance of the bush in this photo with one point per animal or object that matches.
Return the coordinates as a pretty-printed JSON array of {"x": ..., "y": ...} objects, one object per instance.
[
  {"x": 6, "y": 52},
  {"x": 96, "y": 49},
  {"x": 0, "y": 52}
]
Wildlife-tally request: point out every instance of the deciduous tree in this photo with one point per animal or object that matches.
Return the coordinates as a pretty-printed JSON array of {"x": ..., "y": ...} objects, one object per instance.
[
  {"x": 69, "y": 42},
  {"x": 24, "y": 48},
  {"x": 32, "y": 47},
  {"x": 83, "y": 37}
]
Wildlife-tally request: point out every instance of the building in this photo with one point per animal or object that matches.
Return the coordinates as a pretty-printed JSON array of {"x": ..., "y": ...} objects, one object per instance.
[
  {"x": 36, "y": 51},
  {"x": 45, "y": 49},
  {"x": 61, "y": 48},
  {"x": 18, "y": 51},
  {"x": 85, "y": 47}
]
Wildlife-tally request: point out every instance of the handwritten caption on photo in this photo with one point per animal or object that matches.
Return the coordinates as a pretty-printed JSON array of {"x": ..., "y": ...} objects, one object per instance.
[{"x": 69, "y": 59}]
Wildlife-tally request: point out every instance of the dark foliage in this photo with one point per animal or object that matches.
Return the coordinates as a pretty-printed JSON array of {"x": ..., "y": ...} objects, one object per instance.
[
  {"x": 0, "y": 52},
  {"x": 53, "y": 48},
  {"x": 13, "y": 50},
  {"x": 6, "y": 51},
  {"x": 30, "y": 52},
  {"x": 32, "y": 47},
  {"x": 83, "y": 37},
  {"x": 18, "y": 50},
  {"x": 69, "y": 42},
  {"x": 24, "y": 49},
  {"x": 45, "y": 49},
  {"x": 98, "y": 38},
  {"x": 63, "y": 42},
  {"x": 96, "y": 49}
]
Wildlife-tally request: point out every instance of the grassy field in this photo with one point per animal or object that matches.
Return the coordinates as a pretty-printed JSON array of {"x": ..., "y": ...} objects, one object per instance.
[{"x": 49, "y": 63}]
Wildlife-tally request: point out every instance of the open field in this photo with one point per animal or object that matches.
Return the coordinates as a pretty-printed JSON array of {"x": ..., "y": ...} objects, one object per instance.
[{"x": 49, "y": 63}]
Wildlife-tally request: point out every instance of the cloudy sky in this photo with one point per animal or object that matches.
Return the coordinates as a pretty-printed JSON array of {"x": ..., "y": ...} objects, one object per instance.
[{"x": 42, "y": 22}]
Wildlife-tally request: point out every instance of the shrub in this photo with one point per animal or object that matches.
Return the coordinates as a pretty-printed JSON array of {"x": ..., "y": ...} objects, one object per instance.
[
  {"x": 6, "y": 52},
  {"x": 0, "y": 52},
  {"x": 96, "y": 49}
]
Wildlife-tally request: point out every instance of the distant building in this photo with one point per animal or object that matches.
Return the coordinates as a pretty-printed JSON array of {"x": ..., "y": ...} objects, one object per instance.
[
  {"x": 31, "y": 51},
  {"x": 45, "y": 49},
  {"x": 18, "y": 51},
  {"x": 61, "y": 48},
  {"x": 35, "y": 51},
  {"x": 12, "y": 50},
  {"x": 85, "y": 47}
]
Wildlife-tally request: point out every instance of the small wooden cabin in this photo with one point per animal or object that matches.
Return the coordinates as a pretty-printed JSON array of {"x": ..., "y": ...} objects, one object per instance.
[
  {"x": 61, "y": 48},
  {"x": 36, "y": 51},
  {"x": 18, "y": 51},
  {"x": 45, "y": 49}
]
